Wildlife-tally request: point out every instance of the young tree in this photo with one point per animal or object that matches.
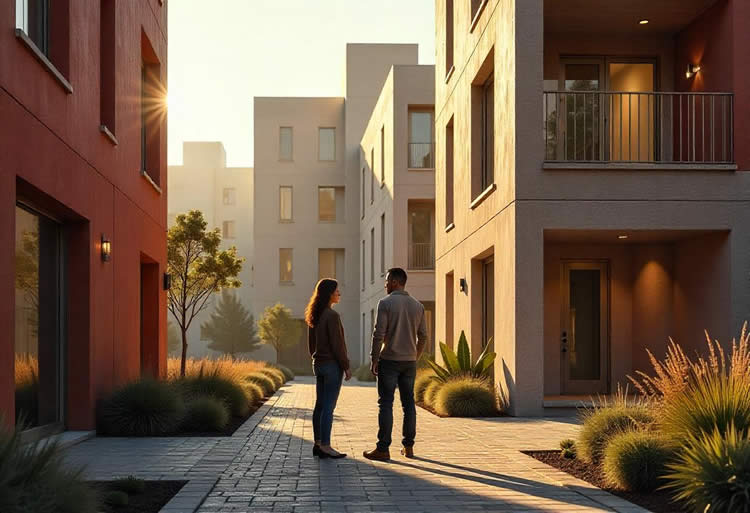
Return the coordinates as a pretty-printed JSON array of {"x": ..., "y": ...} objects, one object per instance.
[
  {"x": 278, "y": 328},
  {"x": 231, "y": 328},
  {"x": 198, "y": 269}
]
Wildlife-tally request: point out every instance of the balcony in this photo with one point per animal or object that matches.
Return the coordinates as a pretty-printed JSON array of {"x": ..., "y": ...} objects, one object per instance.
[
  {"x": 422, "y": 256},
  {"x": 422, "y": 155},
  {"x": 638, "y": 129}
]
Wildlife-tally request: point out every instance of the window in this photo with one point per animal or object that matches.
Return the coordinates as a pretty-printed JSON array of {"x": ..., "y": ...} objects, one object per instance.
[
  {"x": 152, "y": 112},
  {"x": 285, "y": 203},
  {"x": 372, "y": 176},
  {"x": 229, "y": 196},
  {"x": 449, "y": 309},
  {"x": 488, "y": 300},
  {"x": 449, "y": 141},
  {"x": 227, "y": 229},
  {"x": 364, "y": 276},
  {"x": 331, "y": 204},
  {"x": 483, "y": 129},
  {"x": 421, "y": 235},
  {"x": 285, "y": 143},
  {"x": 382, "y": 245},
  {"x": 372, "y": 255},
  {"x": 448, "y": 36},
  {"x": 363, "y": 193},
  {"x": 331, "y": 264},
  {"x": 285, "y": 265},
  {"x": 44, "y": 25},
  {"x": 421, "y": 154},
  {"x": 382, "y": 155},
  {"x": 327, "y": 144},
  {"x": 476, "y": 10},
  {"x": 107, "y": 44}
]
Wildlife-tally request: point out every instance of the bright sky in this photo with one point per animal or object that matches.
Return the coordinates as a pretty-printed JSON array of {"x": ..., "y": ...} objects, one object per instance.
[{"x": 219, "y": 58}]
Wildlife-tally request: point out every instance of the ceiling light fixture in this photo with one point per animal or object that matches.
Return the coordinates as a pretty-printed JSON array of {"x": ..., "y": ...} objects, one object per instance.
[
  {"x": 622, "y": 237},
  {"x": 643, "y": 22}
]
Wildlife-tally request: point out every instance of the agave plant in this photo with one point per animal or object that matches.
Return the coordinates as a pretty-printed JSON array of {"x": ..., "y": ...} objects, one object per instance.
[{"x": 459, "y": 364}]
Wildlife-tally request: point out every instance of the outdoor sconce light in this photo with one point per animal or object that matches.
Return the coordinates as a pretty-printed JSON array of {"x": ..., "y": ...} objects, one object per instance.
[
  {"x": 692, "y": 69},
  {"x": 462, "y": 285},
  {"x": 167, "y": 281},
  {"x": 106, "y": 248}
]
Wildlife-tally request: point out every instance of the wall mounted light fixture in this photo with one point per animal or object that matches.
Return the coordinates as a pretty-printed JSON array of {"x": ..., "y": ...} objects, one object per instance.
[
  {"x": 167, "y": 281},
  {"x": 692, "y": 69},
  {"x": 462, "y": 285},
  {"x": 106, "y": 248}
]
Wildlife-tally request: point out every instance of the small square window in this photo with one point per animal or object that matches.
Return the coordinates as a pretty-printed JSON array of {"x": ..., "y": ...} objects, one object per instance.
[
  {"x": 227, "y": 230},
  {"x": 285, "y": 265},
  {"x": 285, "y": 203},
  {"x": 327, "y": 144},
  {"x": 285, "y": 143},
  {"x": 229, "y": 196}
]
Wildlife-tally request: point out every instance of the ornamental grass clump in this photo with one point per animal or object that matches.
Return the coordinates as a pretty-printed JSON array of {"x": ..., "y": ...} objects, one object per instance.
[
  {"x": 603, "y": 422},
  {"x": 712, "y": 472},
  {"x": 130, "y": 485},
  {"x": 636, "y": 460},
  {"x": 263, "y": 381},
  {"x": 465, "y": 397},
  {"x": 253, "y": 391},
  {"x": 421, "y": 383},
  {"x": 276, "y": 376},
  {"x": 223, "y": 389},
  {"x": 143, "y": 408},
  {"x": 234, "y": 370},
  {"x": 205, "y": 413},
  {"x": 431, "y": 392},
  {"x": 288, "y": 373},
  {"x": 364, "y": 374}
]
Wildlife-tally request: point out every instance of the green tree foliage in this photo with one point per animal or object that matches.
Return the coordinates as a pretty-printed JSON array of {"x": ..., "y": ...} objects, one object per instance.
[
  {"x": 231, "y": 328},
  {"x": 198, "y": 269},
  {"x": 278, "y": 328}
]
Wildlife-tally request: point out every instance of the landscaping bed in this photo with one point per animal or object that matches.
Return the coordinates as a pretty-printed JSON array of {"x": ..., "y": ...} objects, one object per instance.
[
  {"x": 430, "y": 409},
  {"x": 657, "y": 501},
  {"x": 154, "y": 496}
]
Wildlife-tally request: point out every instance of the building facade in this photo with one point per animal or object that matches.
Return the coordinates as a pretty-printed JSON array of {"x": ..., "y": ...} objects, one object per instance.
[
  {"x": 225, "y": 196},
  {"x": 83, "y": 184},
  {"x": 397, "y": 194},
  {"x": 307, "y": 222},
  {"x": 592, "y": 185}
]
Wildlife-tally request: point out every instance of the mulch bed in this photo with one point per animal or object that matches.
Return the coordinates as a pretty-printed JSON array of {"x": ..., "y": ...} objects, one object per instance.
[
  {"x": 657, "y": 501},
  {"x": 151, "y": 500}
]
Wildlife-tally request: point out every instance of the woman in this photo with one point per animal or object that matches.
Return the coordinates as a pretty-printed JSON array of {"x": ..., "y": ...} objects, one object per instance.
[{"x": 325, "y": 338}]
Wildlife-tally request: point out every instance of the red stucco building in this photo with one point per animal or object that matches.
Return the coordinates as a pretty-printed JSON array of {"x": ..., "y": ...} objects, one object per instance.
[{"x": 82, "y": 204}]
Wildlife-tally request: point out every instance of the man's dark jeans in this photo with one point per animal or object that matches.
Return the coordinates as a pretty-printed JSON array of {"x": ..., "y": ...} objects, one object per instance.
[
  {"x": 392, "y": 374},
  {"x": 328, "y": 381}
]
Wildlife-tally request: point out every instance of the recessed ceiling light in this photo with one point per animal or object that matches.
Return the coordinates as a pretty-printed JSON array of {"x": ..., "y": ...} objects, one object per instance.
[
  {"x": 622, "y": 236},
  {"x": 643, "y": 22}
]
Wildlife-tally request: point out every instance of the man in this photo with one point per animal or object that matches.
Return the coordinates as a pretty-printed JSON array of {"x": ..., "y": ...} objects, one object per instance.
[{"x": 398, "y": 340}]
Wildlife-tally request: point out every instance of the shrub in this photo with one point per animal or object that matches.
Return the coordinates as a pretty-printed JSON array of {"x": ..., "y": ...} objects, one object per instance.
[
  {"x": 712, "y": 472},
  {"x": 288, "y": 373},
  {"x": 364, "y": 374},
  {"x": 568, "y": 443},
  {"x": 130, "y": 485},
  {"x": 276, "y": 376},
  {"x": 253, "y": 391},
  {"x": 233, "y": 370},
  {"x": 206, "y": 413},
  {"x": 116, "y": 498},
  {"x": 231, "y": 393},
  {"x": 263, "y": 381},
  {"x": 34, "y": 478},
  {"x": 465, "y": 397},
  {"x": 635, "y": 460},
  {"x": 459, "y": 364},
  {"x": 420, "y": 385},
  {"x": 600, "y": 424},
  {"x": 142, "y": 408},
  {"x": 431, "y": 392}
]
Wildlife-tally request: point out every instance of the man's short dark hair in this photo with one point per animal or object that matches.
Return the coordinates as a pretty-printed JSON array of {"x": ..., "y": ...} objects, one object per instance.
[{"x": 398, "y": 274}]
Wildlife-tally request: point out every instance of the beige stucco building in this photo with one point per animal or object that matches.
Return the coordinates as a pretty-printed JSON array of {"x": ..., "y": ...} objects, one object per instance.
[
  {"x": 307, "y": 181},
  {"x": 397, "y": 193},
  {"x": 224, "y": 195},
  {"x": 580, "y": 226}
]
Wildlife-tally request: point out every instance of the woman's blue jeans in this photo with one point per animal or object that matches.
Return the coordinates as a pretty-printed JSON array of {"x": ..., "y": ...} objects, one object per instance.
[{"x": 329, "y": 378}]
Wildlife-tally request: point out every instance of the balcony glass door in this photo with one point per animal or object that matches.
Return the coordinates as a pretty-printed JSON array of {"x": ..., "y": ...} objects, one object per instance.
[
  {"x": 630, "y": 111},
  {"x": 582, "y": 125},
  {"x": 421, "y": 235}
]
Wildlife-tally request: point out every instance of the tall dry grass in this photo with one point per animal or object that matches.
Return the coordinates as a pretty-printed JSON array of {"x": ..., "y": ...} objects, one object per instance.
[
  {"x": 234, "y": 370},
  {"x": 26, "y": 369}
]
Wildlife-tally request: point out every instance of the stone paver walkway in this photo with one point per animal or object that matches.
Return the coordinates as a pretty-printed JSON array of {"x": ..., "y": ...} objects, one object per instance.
[{"x": 267, "y": 466}]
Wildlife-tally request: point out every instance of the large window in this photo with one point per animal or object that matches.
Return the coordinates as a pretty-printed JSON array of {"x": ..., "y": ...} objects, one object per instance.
[
  {"x": 382, "y": 155},
  {"x": 363, "y": 193},
  {"x": 285, "y": 143},
  {"x": 449, "y": 141},
  {"x": 372, "y": 255},
  {"x": 488, "y": 132},
  {"x": 152, "y": 112},
  {"x": 39, "y": 341},
  {"x": 449, "y": 309},
  {"x": 331, "y": 264},
  {"x": 483, "y": 129},
  {"x": 331, "y": 204},
  {"x": 227, "y": 230},
  {"x": 285, "y": 203},
  {"x": 421, "y": 154},
  {"x": 285, "y": 265},
  {"x": 229, "y": 196},
  {"x": 107, "y": 43},
  {"x": 421, "y": 235},
  {"x": 326, "y": 143},
  {"x": 382, "y": 245},
  {"x": 364, "y": 276},
  {"x": 448, "y": 36}
]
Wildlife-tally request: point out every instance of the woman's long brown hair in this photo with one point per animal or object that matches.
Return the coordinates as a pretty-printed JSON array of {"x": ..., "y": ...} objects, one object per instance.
[{"x": 320, "y": 299}]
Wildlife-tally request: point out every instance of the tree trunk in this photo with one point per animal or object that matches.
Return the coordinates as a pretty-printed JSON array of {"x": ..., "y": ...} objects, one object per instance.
[{"x": 184, "y": 352}]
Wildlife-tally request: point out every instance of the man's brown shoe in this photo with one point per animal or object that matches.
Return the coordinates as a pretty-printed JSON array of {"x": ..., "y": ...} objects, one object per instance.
[
  {"x": 407, "y": 452},
  {"x": 377, "y": 455}
]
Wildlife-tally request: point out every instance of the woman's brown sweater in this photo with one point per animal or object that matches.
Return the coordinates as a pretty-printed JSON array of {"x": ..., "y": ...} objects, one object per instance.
[{"x": 326, "y": 340}]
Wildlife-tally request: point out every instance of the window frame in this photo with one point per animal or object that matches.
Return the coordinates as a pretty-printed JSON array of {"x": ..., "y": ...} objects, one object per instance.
[
  {"x": 320, "y": 141},
  {"x": 291, "y": 204},
  {"x": 230, "y": 199},
  {"x": 291, "y": 271},
  {"x": 291, "y": 144}
]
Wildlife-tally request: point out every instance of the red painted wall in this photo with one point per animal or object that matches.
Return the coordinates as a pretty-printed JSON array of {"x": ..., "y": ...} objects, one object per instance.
[
  {"x": 719, "y": 41},
  {"x": 53, "y": 153}
]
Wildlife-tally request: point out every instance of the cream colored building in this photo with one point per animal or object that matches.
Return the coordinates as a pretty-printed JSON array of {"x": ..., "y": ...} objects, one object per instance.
[
  {"x": 307, "y": 182},
  {"x": 224, "y": 195},
  {"x": 397, "y": 193},
  {"x": 592, "y": 186}
]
